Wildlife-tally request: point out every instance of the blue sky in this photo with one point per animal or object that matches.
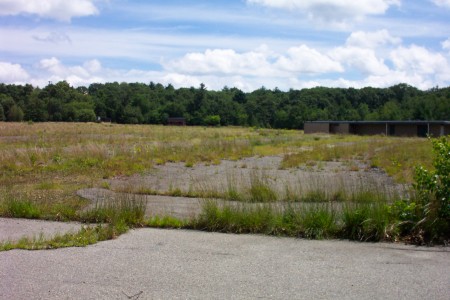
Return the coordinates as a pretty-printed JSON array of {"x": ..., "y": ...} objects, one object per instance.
[{"x": 236, "y": 43}]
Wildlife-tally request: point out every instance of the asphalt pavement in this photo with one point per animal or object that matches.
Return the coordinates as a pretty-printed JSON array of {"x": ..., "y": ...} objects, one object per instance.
[{"x": 179, "y": 264}]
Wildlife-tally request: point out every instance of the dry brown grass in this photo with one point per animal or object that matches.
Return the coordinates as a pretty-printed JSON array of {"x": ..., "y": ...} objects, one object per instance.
[{"x": 48, "y": 162}]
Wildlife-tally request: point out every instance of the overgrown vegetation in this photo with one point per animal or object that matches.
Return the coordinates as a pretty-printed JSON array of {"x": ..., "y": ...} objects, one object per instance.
[
  {"x": 433, "y": 195},
  {"x": 42, "y": 165},
  {"x": 85, "y": 236},
  {"x": 112, "y": 219},
  {"x": 369, "y": 222}
]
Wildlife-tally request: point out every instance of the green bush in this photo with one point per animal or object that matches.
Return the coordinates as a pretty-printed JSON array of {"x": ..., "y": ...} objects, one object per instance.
[
  {"x": 433, "y": 193},
  {"x": 212, "y": 120}
]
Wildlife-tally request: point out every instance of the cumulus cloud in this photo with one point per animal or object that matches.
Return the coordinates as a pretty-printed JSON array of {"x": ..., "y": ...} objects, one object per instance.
[
  {"x": 416, "y": 59},
  {"x": 52, "y": 69},
  {"x": 372, "y": 39},
  {"x": 11, "y": 73},
  {"x": 223, "y": 61},
  {"x": 363, "y": 60},
  {"x": 259, "y": 62},
  {"x": 382, "y": 59},
  {"x": 61, "y": 10},
  {"x": 444, "y": 3},
  {"x": 379, "y": 56},
  {"x": 303, "y": 59},
  {"x": 334, "y": 10},
  {"x": 446, "y": 44}
]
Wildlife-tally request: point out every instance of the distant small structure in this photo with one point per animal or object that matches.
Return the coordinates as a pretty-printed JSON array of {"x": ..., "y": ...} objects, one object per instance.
[
  {"x": 103, "y": 120},
  {"x": 388, "y": 128},
  {"x": 176, "y": 121}
]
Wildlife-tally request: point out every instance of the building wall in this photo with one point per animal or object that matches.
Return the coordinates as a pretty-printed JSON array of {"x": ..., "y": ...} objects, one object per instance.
[
  {"x": 439, "y": 130},
  {"x": 405, "y": 130},
  {"x": 340, "y": 128},
  {"x": 409, "y": 130},
  {"x": 317, "y": 128},
  {"x": 368, "y": 129}
]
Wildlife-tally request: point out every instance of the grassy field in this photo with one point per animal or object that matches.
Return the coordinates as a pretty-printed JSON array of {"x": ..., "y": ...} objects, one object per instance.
[{"x": 42, "y": 165}]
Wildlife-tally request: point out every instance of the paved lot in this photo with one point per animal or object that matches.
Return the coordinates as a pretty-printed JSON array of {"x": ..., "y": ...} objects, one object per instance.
[
  {"x": 15, "y": 229},
  {"x": 178, "y": 264}
]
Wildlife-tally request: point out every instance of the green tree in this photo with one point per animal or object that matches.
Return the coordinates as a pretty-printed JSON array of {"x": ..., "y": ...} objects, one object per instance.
[
  {"x": 132, "y": 115},
  {"x": 36, "y": 110},
  {"x": 15, "y": 114},
  {"x": 6, "y": 101},
  {"x": 85, "y": 115},
  {"x": 212, "y": 120},
  {"x": 2, "y": 114}
]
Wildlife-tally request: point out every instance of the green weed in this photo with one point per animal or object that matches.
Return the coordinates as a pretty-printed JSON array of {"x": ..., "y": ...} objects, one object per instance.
[
  {"x": 87, "y": 235},
  {"x": 18, "y": 208}
]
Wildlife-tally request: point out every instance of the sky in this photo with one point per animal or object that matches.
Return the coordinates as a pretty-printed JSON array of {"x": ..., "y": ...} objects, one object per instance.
[{"x": 246, "y": 44}]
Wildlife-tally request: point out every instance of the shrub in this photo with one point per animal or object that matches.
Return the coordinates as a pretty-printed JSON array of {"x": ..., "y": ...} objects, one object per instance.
[{"x": 433, "y": 193}]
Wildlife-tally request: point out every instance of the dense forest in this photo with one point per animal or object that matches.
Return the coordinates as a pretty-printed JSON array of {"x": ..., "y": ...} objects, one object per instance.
[{"x": 152, "y": 103}]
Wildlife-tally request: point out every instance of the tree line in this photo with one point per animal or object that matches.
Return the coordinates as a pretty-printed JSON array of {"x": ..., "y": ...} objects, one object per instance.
[{"x": 153, "y": 103}]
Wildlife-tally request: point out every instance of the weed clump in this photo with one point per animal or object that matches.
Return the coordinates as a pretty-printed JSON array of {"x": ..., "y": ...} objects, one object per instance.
[{"x": 17, "y": 208}]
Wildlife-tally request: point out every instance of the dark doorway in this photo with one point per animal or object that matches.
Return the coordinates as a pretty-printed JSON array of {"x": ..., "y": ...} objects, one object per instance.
[
  {"x": 391, "y": 129},
  {"x": 422, "y": 130},
  {"x": 334, "y": 128}
]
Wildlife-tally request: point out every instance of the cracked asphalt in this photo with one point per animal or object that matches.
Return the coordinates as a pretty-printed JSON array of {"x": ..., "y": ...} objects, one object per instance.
[{"x": 179, "y": 264}]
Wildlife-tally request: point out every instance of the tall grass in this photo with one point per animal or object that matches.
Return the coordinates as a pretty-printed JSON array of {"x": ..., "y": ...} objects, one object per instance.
[
  {"x": 113, "y": 219},
  {"x": 354, "y": 222},
  {"x": 127, "y": 210}
]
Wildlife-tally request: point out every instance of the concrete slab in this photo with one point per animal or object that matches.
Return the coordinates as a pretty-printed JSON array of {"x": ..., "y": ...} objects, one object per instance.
[
  {"x": 15, "y": 229},
  {"x": 178, "y": 264}
]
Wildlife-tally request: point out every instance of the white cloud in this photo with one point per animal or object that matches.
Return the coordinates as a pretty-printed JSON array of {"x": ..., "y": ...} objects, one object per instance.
[
  {"x": 11, "y": 73},
  {"x": 93, "y": 66},
  {"x": 52, "y": 69},
  {"x": 415, "y": 59},
  {"x": 381, "y": 58},
  {"x": 332, "y": 10},
  {"x": 260, "y": 62},
  {"x": 306, "y": 60},
  {"x": 372, "y": 39},
  {"x": 363, "y": 60},
  {"x": 445, "y": 3},
  {"x": 446, "y": 44},
  {"x": 61, "y": 10},
  {"x": 223, "y": 61}
]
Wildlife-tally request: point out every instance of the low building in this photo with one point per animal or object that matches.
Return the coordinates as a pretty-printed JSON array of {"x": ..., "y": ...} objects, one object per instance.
[
  {"x": 176, "y": 121},
  {"x": 388, "y": 128}
]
